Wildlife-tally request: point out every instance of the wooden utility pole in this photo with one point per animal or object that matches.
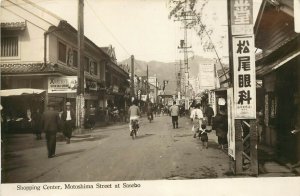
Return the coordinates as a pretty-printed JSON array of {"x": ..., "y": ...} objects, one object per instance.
[
  {"x": 80, "y": 69},
  {"x": 147, "y": 85},
  {"x": 132, "y": 78},
  {"x": 241, "y": 45}
]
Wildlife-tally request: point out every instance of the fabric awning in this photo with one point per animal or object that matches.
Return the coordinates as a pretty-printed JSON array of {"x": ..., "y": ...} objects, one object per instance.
[{"x": 20, "y": 91}]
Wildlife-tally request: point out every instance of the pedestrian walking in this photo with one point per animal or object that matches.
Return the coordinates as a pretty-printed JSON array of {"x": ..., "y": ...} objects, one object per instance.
[
  {"x": 196, "y": 126},
  {"x": 174, "y": 112},
  {"x": 208, "y": 113},
  {"x": 37, "y": 124},
  {"x": 220, "y": 124},
  {"x": 68, "y": 117},
  {"x": 197, "y": 112},
  {"x": 50, "y": 121},
  {"x": 92, "y": 116}
]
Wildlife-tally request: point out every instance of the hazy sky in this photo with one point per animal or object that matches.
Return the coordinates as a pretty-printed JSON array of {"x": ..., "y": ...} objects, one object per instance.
[{"x": 140, "y": 27}]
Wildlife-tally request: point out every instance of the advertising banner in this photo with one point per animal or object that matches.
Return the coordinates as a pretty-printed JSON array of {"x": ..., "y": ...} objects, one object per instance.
[
  {"x": 64, "y": 84},
  {"x": 244, "y": 77}
]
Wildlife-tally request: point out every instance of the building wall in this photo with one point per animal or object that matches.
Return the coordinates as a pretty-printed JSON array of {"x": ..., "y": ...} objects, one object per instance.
[{"x": 31, "y": 44}]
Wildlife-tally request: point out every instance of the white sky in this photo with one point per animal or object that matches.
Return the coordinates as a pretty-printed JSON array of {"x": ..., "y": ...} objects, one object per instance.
[{"x": 140, "y": 27}]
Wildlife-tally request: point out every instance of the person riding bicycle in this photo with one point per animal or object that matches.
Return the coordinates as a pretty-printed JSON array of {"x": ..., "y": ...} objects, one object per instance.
[{"x": 134, "y": 113}]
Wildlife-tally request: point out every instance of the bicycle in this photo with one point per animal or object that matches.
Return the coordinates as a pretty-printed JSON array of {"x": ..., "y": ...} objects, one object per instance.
[{"x": 135, "y": 127}]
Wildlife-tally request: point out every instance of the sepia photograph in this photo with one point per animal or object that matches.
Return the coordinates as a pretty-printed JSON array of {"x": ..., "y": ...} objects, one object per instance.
[{"x": 159, "y": 97}]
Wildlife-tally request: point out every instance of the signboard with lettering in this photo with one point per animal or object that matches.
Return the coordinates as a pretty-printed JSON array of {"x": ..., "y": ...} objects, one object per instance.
[
  {"x": 242, "y": 17},
  {"x": 65, "y": 84},
  {"x": 152, "y": 80},
  {"x": 92, "y": 85},
  {"x": 244, "y": 77},
  {"x": 206, "y": 76}
]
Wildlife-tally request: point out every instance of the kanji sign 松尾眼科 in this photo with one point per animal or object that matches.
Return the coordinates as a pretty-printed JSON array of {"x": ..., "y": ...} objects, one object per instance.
[{"x": 244, "y": 77}]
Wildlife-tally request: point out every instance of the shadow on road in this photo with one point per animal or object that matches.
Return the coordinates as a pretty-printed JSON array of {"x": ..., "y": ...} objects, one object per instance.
[
  {"x": 143, "y": 136},
  {"x": 70, "y": 152}
]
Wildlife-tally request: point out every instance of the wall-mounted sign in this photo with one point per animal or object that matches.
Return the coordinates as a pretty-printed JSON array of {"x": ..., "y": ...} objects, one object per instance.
[
  {"x": 115, "y": 88},
  {"x": 91, "y": 85},
  {"x": 65, "y": 84}
]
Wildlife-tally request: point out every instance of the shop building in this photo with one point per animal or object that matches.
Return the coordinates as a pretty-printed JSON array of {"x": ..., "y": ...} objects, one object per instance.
[
  {"x": 278, "y": 66},
  {"x": 39, "y": 51}
]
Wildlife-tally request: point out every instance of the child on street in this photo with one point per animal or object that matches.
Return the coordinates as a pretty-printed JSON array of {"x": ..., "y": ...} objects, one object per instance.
[{"x": 203, "y": 136}]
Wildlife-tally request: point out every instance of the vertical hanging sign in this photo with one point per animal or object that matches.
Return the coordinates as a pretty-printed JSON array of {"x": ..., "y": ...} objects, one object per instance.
[
  {"x": 244, "y": 77},
  {"x": 241, "y": 17},
  {"x": 243, "y": 59}
]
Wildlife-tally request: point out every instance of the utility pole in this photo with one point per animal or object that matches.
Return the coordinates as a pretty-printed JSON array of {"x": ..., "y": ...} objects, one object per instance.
[
  {"x": 132, "y": 77},
  {"x": 185, "y": 17},
  {"x": 147, "y": 85},
  {"x": 80, "y": 70}
]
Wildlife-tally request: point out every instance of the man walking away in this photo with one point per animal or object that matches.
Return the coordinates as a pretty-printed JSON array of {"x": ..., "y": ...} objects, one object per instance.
[
  {"x": 174, "y": 110},
  {"x": 209, "y": 113},
  {"x": 50, "y": 120},
  {"x": 92, "y": 116},
  {"x": 68, "y": 117}
]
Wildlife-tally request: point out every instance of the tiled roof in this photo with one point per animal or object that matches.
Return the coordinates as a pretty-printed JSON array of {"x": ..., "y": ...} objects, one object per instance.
[{"x": 32, "y": 68}]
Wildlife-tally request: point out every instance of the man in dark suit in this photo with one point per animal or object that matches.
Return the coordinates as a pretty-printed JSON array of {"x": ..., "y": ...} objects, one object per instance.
[
  {"x": 68, "y": 117},
  {"x": 50, "y": 121}
]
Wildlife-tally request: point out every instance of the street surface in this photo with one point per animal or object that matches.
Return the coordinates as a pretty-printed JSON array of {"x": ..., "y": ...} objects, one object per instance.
[{"x": 110, "y": 154}]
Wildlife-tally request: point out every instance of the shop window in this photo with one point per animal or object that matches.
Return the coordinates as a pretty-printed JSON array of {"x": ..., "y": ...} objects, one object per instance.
[
  {"x": 93, "y": 68},
  {"x": 75, "y": 58},
  {"x": 70, "y": 57},
  {"x": 86, "y": 64},
  {"x": 62, "y": 52},
  {"x": 9, "y": 46}
]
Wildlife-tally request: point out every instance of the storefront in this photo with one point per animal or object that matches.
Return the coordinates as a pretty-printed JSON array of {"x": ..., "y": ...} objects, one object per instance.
[
  {"x": 20, "y": 106},
  {"x": 278, "y": 66}
]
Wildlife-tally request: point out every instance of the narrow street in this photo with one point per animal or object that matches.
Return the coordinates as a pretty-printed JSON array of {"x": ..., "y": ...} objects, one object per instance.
[{"x": 110, "y": 154}]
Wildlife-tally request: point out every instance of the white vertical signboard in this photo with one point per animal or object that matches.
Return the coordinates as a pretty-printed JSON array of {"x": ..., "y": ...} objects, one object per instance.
[
  {"x": 231, "y": 128},
  {"x": 244, "y": 77},
  {"x": 242, "y": 17},
  {"x": 207, "y": 76}
]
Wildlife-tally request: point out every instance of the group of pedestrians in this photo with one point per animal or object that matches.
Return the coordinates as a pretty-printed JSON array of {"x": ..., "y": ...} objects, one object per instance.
[
  {"x": 53, "y": 121},
  {"x": 204, "y": 122}
]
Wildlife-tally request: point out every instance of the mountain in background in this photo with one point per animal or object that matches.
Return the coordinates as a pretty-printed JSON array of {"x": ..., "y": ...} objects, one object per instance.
[{"x": 166, "y": 71}]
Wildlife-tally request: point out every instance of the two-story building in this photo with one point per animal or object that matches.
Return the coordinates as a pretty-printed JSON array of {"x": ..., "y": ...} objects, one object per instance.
[{"x": 39, "y": 51}]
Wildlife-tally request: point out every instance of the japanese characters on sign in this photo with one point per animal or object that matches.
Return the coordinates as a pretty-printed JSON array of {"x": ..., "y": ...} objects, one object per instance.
[
  {"x": 244, "y": 77},
  {"x": 242, "y": 17},
  {"x": 64, "y": 84}
]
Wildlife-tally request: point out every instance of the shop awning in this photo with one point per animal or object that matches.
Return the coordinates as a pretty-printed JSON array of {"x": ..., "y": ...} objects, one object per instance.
[{"x": 20, "y": 91}]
